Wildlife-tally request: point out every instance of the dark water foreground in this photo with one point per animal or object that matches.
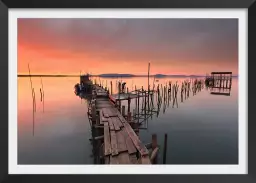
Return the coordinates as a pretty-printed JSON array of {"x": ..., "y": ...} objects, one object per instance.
[{"x": 202, "y": 129}]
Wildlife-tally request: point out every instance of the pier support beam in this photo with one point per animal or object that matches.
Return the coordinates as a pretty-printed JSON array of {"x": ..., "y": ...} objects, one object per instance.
[
  {"x": 154, "y": 149},
  {"x": 123, "y": 111},
  {"x": 165, "y": 148}
]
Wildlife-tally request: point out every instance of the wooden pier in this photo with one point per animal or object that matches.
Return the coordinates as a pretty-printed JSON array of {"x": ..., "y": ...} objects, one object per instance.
[
  {"x": 220, "y": 83},
  {"x": 121, "y": 144},
  {"x": 115, "y": 131}
]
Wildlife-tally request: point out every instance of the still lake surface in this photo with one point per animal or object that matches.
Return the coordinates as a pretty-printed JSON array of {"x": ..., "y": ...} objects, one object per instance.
[{"x": 203, "y": 129}]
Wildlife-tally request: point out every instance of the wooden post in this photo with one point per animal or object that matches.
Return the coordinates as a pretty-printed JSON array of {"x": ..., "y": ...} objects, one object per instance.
[
  {"x": 136, "y": 127},
  {"x": 220, "y": 80},
  {"x": 120, "y": 104},
  {"x": 129, "y": 104},
  {"x": 154, "y": 141},
  {"x": 154, "y": 146},
  {"x": 148, "y": 95},
  {"x": 119, "y": 101},
  {"x": 138, "y": 104},
  {"x": 162, "y": 88},
  {"x": 129, "y": 117},
  {"x": 165, "y": 148},
  {"x": 111, "y": 89},
  {"x": 123, "y": 111},
  {"x": 148, "y": 74},
  {"x": 145, "y": 100}
]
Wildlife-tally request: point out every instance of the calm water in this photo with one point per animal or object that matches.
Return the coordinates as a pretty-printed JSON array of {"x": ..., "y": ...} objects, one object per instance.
[{"x": 202, "y": 130}]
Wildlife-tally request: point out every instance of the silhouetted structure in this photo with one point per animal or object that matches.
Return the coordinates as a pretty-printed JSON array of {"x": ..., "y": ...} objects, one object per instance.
[
  {"x": 85, "y": 83},
  {"x": 220, "y": 83},
  {"x": 219, "y": 80}
]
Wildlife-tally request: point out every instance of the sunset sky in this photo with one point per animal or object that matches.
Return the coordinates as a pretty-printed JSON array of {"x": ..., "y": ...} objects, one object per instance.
[{"x": 172, "y": 46}]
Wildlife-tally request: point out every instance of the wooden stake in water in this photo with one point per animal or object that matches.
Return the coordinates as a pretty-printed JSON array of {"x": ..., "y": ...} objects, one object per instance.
[
  {"x": 42, "y": 92},
  {"x": 148, "y": 95},
  {"x": 34, "y": 109},
  {"x": 31, "y": 84},
  {"x": 111, "y": 87},
  {"x": 154, "y": 146},
  {"x": 123, "y": 111},
  {"x": 165, "y": 148},
  {"x": 148, "y": 75},
  {"x": 138, "y": 105}
]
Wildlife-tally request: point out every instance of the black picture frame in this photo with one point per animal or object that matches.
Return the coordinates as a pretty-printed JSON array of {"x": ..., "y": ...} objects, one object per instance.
[{"x": 5, "y": 4}]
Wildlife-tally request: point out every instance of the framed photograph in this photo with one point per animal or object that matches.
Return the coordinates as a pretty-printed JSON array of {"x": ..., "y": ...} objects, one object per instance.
[{"x": 138, "y": 89}]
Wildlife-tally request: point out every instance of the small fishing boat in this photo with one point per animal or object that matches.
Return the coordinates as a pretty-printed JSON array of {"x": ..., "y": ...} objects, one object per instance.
[
  {"x": 85, "y": 83},
  {"x": 77, "y": 89}
]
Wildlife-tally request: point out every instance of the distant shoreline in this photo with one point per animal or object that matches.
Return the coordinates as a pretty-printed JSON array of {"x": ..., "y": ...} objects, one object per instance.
[
  {"x": 21, "y": 75},
  {"x": 113, "y": 76}
]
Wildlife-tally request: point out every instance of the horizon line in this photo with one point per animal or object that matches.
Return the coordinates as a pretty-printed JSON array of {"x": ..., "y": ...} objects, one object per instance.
[{"x": 75, "y": 75}]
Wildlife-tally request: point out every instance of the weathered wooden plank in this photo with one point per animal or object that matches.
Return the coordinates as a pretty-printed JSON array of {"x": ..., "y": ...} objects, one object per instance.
[
  {"x": 114, "y": 146},
  {"x": 104, "y": 119},
  {"x": 114, "y": 111},
  {"x": 111, "y": 112},
  {"x": 105, "y": 113},
  {"x": 114, "y": 160},
  {"x": 115, "y": 123},
  {"x": 124, "y": 158},
  {"x": 154, "y": 154},
  {"x": 101, "y": 114},
  {"x": 108, "y": 112},
  {"x": 135, "y": 139},
  {"x": 129, "y": 144},
  {"x": 121, "y": 118},
  {"x": 118, "y": 121},
  {"x": 102, "y": 102},
  {"x": 107, "y": 142},
  {"x": 100, "y": 106},
  {"x": 111, "y": 125},
  {"x": 121, "y": 141},
  {"x": 133, "y": 159},
  {"x": 145, "y": 160}
]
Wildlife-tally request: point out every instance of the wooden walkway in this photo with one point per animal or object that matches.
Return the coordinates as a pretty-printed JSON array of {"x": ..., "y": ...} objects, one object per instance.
[{"x": 121, "y": 143}]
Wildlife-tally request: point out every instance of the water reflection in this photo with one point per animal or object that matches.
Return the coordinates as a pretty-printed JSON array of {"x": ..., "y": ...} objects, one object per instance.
[{"x": 202, "y": 128}]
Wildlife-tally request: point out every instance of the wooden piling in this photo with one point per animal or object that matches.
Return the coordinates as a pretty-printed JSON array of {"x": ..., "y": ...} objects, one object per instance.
[
  {"x": 111, "y": 88},
  {"x": 154, "y": 146},
  {"x": 138, "y": 104},
  {"x": 129, "y": 116},
  {"x": 148, "y": 95},
  {"x": 148, "y": 75},
  {"x": 162, "y": 89},
  {"x": 165, "y": 148},
  {"x": 129, "y": 104},
  {"x": 145, "y": 100},
  {"x": 123, "y": 111},
  {"x": 42, "y": 92}
]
